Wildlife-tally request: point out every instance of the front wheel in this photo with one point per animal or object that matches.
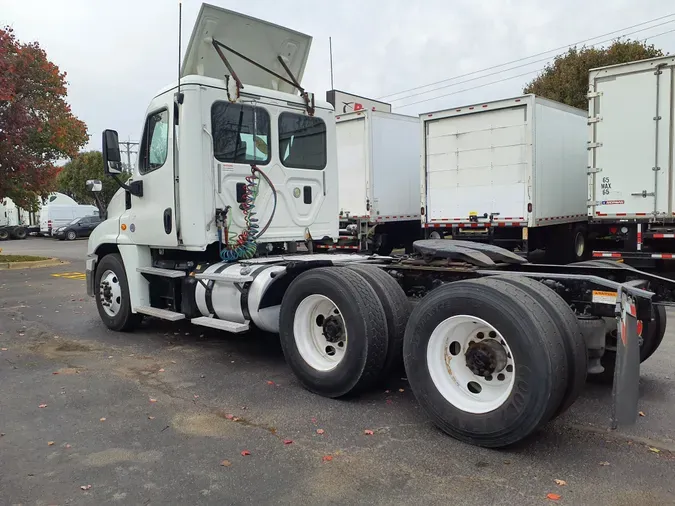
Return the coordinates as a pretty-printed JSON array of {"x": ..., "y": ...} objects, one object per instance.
[
  {"x": 71, "y": 235},
  {"x": 112, "y": 295}
]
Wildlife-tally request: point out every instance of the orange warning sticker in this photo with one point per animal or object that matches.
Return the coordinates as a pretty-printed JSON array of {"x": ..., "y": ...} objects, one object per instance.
[{"x": 600, "y": 297}]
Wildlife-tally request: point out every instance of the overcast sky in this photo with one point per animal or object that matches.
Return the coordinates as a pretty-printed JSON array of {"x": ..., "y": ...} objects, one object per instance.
[{"x": 119, "y": 53}]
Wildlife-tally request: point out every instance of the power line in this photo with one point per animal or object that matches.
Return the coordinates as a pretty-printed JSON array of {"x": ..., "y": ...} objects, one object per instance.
[
  {"x": 506, "y": 78},
  {"x": 527, "y": 57},
  {"x": 519, "y": 66}
]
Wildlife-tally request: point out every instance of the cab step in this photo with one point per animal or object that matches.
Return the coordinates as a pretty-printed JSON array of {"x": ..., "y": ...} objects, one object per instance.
[
  {"x": 157, "y": 271},
  {"x": 215, "y": 323},
  {"x": 164, "y": 314}
]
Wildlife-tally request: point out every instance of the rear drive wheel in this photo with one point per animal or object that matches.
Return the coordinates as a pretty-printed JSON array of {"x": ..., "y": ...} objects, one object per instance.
[
  {"x": 396, "y": 309},
  {"x": 4, "y": 234},
  {"x": 112, "y": 294},
  {"x": 568, "y": 324},
  {"x": 71, "y": 235},
  {"x": 485, "y": 361},
  {"x": 19, "y": 233},
  {"x": 333, "y": 331}
]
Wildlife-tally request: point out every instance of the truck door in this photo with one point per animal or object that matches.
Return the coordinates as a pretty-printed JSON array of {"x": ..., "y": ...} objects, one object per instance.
[{"x": 150, "y": 219}]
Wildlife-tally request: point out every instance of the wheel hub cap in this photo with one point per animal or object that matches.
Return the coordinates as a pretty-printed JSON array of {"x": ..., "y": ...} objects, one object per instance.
[
  {"x": 486, "y": 358},
  {"x": 110, "y": 293},
  {"x": 333, "y": 330}
]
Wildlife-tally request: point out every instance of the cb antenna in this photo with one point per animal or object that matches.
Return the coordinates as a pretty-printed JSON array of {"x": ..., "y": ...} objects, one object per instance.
[{"x": 179, "y": 97}]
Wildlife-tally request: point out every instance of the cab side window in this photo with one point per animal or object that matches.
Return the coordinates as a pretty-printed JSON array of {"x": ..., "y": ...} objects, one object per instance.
[{"x": 155, "y": 142}]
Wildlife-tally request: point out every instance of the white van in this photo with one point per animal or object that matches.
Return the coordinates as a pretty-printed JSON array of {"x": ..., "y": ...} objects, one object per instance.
[{"x": 54, "y": 216}]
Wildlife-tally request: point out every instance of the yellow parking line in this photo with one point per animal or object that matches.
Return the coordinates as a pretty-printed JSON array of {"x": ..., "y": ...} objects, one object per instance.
[{"x": 70, "y": 275}]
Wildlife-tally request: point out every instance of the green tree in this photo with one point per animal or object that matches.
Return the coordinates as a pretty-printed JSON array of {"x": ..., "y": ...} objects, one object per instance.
[
  {"x": 73, "y": 178},
  {"x": 37, "y": 127},
  {"x": 566, "y": 79}
]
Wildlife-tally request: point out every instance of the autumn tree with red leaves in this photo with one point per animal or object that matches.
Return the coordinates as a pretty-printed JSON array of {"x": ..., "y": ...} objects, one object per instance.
[{"x": 37, "y": 127}]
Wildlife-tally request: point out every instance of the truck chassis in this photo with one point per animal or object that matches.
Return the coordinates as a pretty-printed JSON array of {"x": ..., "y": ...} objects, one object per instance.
[{"x": 493, "y": 347}]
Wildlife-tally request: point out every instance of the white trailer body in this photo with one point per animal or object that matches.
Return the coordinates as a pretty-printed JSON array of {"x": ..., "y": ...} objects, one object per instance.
[
  {"x": 514, "y": 162},
  {"x": 378, "y": 166},
  {"x": 632, "y": 140}
]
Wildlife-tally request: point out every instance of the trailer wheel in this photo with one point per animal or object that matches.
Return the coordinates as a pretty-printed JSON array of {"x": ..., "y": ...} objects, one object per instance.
[
  {"x": 112, "y": 294},
  {"x": 333, "y": 331},
  {"x": 396, "y": 309},
  {"x": 485, "y": 362},
  {"x": 19, "y": 233},
  {"x": 567, "y": 322},
  {"x": 4, "y": 234}
]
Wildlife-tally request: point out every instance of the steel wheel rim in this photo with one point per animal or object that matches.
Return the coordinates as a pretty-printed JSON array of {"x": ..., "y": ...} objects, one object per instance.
[
  {"x": 455, "y": 381},
  {"x": 110, "y": 293},
  {"x": 316, "y": 318},
  {"x": 579, "y": 244}
]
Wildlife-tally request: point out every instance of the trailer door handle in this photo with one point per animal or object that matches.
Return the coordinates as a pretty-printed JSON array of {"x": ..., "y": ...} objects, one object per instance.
[{"x": 167, "y": 220}]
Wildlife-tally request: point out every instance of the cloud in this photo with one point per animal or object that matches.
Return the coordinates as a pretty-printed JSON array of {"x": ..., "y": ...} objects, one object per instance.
[{"x": 119, "y": 54}]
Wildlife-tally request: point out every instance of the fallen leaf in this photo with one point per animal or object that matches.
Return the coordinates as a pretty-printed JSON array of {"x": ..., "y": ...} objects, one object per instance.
[
  {"x": 151, "y": 418},
  {"x": 102, "y": 419},
  {"x": 401, "y": 390},
  {"x": 2, "y": 434},
  {"x": 313, "y": 420},
  {"x": 196, "y": 396},
  {"x": 560, "y": 483},
  {"x": 320, "y": 431},
  {"x": 85, "y": 487},
  {"x": 235, "y": 418},
  {"x": 389, "y": 401},
  {"x": 654, "y": 450},
  {"x": 229, "y": 417},
  {"x": 368, "y": 432},
  {"x": 641, "y": 413},
  {"x": 604, "y": 463},
  {"x": 50, "y": 443},
  {"x": 288, "y": 441},
  {"x": 327, "y": 458},
  {"x": 226, "y": 463},
  {"x": 173, "y": 361},
  {"x": 244, "y": 453},
  {"x": 553, "y": 497},
  {"x": 68, "y": 446},
  {"x": 153, "y": 400},
  {"x": 161, "y": 370},
  {"x": 3, "y": 349},
  {"x": 55, "y": 372},
  {"x": 386, "y": 391},
  {"x": 270, "y": 382},
  {"x": 42, "y": 406}
]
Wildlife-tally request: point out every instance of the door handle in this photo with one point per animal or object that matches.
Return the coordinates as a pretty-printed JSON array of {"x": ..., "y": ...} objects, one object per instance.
[{"x": 167, "y": 220}]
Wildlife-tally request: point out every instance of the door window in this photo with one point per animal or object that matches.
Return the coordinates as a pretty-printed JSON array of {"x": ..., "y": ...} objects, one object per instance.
[
  {"x": 302, "y": 141},
  {"x": 155, "y": 142},
  {"x": 241, "y": 133}
]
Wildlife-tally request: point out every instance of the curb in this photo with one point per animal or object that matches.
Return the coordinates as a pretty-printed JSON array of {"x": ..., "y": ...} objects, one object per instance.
[{"x": 32, "y": 265}]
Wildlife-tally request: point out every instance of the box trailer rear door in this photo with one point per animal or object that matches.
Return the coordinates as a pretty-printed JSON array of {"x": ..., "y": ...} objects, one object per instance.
[
  {"x": 353, "y": 165},
  {"x": 478, "y": 163},
  {"x": 631, "y": 135}
]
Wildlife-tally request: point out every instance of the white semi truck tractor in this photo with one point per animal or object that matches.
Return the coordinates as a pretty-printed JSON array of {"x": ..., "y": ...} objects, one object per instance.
[{"x": 237, "y": 179}]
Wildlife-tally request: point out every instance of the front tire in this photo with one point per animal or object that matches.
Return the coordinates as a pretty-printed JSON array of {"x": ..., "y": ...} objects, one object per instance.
[
  {"x": 333, "y": 331},
  {"x": 485, "y": 361},
  {"x": 71, "y": 235},
  {"x": 111, "y": 289}
]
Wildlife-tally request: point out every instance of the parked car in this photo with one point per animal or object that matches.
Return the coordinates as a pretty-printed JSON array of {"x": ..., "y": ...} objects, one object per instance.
[
  {"x": 79, "y": 227},
  {"x": 53, "y": 216}
]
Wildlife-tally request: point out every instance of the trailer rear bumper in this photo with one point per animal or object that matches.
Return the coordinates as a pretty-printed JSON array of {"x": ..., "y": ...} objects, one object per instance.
[{"x": 633, "y": 255}]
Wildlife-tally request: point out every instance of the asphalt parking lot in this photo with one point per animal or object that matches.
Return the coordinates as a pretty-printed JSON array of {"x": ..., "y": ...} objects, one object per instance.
[{"x": 178, "y": 414}]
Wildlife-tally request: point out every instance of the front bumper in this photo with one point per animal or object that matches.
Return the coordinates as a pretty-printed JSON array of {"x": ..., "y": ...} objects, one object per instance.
[{"x": 90, "y": 269}]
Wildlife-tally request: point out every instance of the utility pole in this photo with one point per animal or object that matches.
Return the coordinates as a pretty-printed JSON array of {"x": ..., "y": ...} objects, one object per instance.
[{"x": 128, "y": 147}]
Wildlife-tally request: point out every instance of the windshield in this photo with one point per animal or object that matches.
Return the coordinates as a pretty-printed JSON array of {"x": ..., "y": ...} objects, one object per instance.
[{"x": 76, "y": 220}]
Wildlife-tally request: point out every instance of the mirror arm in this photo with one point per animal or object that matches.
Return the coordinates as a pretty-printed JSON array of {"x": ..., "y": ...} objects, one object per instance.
[{"x": 135, "y": 188}]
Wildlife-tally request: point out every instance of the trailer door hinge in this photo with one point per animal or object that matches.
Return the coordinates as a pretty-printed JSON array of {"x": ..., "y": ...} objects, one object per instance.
[
  {"x": 594, "y": 119},
  {"x": 593, "y": 203},
  {"x": 593, "y": 170},
  {"x": 593, "y": 94},
  {"x": 593, "y": 145}
]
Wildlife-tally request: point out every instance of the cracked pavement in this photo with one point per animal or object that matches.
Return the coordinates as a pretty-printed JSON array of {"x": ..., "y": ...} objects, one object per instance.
[{"x": 150, "y": 417}]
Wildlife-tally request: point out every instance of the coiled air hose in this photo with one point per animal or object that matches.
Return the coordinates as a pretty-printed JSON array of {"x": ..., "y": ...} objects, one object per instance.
[{"x": 245, "y": 245}]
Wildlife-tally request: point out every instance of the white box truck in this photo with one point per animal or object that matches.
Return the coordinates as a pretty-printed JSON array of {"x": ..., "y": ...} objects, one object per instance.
[
  {"x": 631, "y": 147},
  {"x": 378, "y": 166},
  {"x": 512, "y": 172},
  {"x": 237, "y": 173}
]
